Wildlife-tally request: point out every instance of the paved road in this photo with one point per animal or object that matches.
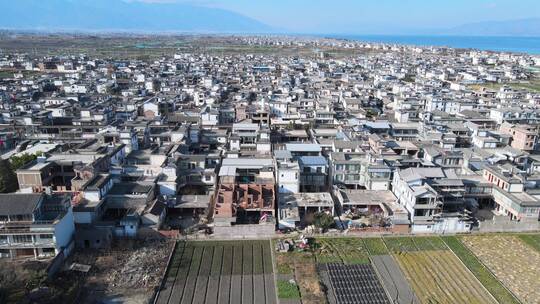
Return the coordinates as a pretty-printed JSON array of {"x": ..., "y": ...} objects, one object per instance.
[{"x": 393, "y": 280}]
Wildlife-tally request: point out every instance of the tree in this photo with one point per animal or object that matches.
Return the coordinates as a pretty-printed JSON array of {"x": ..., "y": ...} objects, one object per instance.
[
  {"x": 19, "y": 161},
  {"x": 156, "y": 85},
  {"x": 49, "y": 87},
  {"x": 370, "y": 113},
  {"x": 8, "y": 179},
  {"x": 323, "y": 220}
]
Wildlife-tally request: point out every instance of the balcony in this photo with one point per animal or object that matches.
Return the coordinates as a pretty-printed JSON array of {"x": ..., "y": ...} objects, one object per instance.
[
  {"x": 39, "y": 244},
  {"x": 37, "y": 227}
]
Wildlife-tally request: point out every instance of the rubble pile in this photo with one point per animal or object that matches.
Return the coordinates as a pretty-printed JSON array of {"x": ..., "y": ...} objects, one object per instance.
[{"x": 142, "y": 267}]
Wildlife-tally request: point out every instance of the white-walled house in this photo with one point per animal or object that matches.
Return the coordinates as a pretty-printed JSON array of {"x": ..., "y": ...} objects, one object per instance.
[
  {"x": 35, "y": 225},
  {"x": 422, "y": 192},
  {"x": 288, "y": 177}
]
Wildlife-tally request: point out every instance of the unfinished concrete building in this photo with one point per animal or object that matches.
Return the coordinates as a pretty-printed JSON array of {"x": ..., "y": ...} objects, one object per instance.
[{"x": 246, "y": 192}]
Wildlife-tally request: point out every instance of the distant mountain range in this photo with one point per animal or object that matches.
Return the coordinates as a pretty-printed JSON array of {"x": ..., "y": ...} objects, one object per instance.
[
  {"x": 136, "y": 16},
  {"x": 119, "y": 15},
  {"x": 522, "y": 27}
]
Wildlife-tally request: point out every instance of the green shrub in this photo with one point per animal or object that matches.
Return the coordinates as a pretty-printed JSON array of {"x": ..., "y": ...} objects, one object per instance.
[{"x": 287, "y": 290}]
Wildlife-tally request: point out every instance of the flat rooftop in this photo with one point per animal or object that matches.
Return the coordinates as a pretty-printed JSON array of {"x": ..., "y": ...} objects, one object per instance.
[
  {"x": 367, "y": 197},
  {"x": 316, "y": 199}
]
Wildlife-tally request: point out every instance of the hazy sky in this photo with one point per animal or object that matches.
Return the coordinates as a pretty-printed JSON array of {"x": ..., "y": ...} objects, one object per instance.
[{"x": 373, "y": 16}]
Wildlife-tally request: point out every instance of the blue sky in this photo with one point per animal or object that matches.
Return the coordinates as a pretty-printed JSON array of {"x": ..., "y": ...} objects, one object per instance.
[{"x": 373, "y": 16}]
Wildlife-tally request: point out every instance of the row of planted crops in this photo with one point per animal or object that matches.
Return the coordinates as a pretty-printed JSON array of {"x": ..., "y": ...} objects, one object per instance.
[{"x": 450, "y": 269}]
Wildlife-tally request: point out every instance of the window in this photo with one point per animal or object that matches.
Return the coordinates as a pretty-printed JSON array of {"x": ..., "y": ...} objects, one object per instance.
[
  {"x": 351, "y": 177},
  {"x": 46, "y": 236},
  {"x": 48, "y": 251},
  {"x": 25, "y": 238},
  {"x": 23, "y": 217}
]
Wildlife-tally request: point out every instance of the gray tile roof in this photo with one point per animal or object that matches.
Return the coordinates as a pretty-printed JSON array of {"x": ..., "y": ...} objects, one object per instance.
[{"x": 19, "y": 204}]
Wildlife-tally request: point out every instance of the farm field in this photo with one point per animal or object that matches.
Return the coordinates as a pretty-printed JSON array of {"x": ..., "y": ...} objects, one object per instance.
[
  {"x": 435, "y": 273},
  {"x": 449, "y": 269},
  {"x": 437, "y": 276},
  {"x": 483, "y": 274},
  {"x": 343, "y": 250},
  {"x": 514, "y": 262},
  {"x": 310, "y": 268},
  {"x": 355, "y": 284},
  {"x": 376, "y": 246},
  {"x": 302, "y": 267},
  {"x": 532, "y": 85},
  {"x": 532, "y": 240},
  {"x": 220, "y": 272}
]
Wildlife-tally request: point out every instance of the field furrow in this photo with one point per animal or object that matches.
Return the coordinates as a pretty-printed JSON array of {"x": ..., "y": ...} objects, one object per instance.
[{"x": 438, "y": 277}]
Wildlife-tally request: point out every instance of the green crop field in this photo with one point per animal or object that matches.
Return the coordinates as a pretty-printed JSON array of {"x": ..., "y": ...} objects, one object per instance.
[
  {"x": 400, "y": 244},
  {"x": 375, "y": 246},
  {"x": 342, "y": 250},
  {"x": 437, "y": 276},
  {"x": 287, "y": 290},
  {"x": 429, "y": 243},
  {"x": 532, "y": 240}
]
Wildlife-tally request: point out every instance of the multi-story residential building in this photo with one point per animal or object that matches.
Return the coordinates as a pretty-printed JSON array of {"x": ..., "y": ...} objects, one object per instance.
[
  {"x": 35, "y": 225},
  {"x": 287, "y": 173},
  {"x": 404, "y": 131},
  {"x": 246, "y": 192},
  {"x": 524, "y": 137},
  {"x": 133, "y": 140},
  {"x": 434, "y": 199},
  {"x": 249, "y": 139},
  {"x": 509, "y": 193},
  {"x": 313, "y": 173},
  {"x": 444, "y": 158},
  {"x": 59, "y": 171},
  {"x": 346, "y": 168},
  {"x": 198, "y": 170},
  {"x": 378, "y": 176}
]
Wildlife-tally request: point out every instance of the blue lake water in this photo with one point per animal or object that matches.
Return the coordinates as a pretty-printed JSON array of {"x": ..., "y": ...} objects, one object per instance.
[{"x": 530, "y": 45}]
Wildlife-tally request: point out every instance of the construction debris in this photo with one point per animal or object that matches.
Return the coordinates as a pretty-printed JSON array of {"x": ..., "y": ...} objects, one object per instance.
[
  {"x": 300, "y": 244},
  {"x": 80, "y": 267},
  {"x": 129, "y": 270},
  {"x": 140, "y": 268}
]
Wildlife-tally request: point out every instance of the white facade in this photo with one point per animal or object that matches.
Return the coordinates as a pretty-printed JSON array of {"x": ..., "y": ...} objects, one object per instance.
[{"x": 288, "y": 178}]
